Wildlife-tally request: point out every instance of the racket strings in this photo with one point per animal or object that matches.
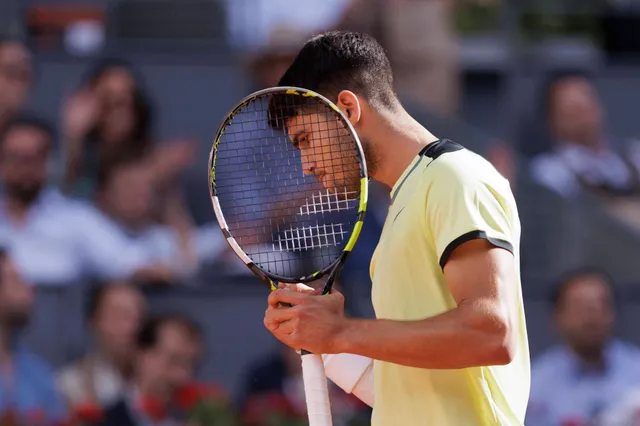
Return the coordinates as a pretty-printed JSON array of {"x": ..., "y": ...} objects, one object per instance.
[{"x": 285, "y": 204}]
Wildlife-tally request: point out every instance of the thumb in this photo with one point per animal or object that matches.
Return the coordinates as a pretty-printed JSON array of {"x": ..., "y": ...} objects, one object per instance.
[{"x": 299, "y": 287}]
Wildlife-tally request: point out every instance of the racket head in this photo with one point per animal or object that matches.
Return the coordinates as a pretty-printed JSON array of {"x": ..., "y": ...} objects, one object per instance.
[{"x": 262, "y": 197}]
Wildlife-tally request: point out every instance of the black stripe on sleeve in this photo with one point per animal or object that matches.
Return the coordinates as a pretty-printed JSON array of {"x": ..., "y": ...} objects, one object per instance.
[{"x": 473, "y": 235}]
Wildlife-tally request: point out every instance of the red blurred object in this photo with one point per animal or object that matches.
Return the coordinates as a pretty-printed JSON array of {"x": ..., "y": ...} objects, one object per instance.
[
  {"x": 88, "y": 412},
  {"x": 154, "y": 408},
  {"x": 260, "y": 407},
  {"x": 9, "y": 418},
  {"x": 191, "y": 395},
  {"x": 573, "y": 422},
  {"x": 36, "y": 417}
]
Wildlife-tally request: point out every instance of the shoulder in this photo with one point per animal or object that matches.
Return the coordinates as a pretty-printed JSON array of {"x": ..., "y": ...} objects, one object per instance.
[
  {"x": 464, "y": 179},
  {"x": 550, "y": 171},
  {"x": 36, "y": 367},
  {"x": 463, "y": 167},
  {"x": 69, "y": 373},
  {"x": 35, "y": 361},
  {"x": 626, "y": 351}
]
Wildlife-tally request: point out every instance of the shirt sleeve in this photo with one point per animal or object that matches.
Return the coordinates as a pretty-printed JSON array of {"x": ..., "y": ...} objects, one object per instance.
[
  {"x": 461, "y": 207},
  {"x": 106, "y": 250}
]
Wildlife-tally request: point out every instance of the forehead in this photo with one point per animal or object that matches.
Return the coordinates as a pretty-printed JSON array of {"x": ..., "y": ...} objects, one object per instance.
[
  {"x": 572, "y": 88},
  {"x": 14, "y": 53},
  {"x": 25, "y": 138},
  {"x": 118, "y": 295},
  {"x": 590, "y": 286},
  {"x": 308, "y": 121}
]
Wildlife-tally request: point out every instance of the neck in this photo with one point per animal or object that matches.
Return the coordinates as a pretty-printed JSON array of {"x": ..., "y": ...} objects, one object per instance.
[
  {"x": 591, "y": 357},
  {"x": 16, "y": 209},
  {"x": 119, "y": 363},
  {"x": 398, "y": 139},
  {"x": 148, "y": 387}
]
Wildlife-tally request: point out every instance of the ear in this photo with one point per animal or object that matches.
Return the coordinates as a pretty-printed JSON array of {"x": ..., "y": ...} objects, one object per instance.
[{"x": 350, "y": 106}]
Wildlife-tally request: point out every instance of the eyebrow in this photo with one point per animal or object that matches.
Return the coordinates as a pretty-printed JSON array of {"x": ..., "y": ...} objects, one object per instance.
[{"x": 296, "y": 137}]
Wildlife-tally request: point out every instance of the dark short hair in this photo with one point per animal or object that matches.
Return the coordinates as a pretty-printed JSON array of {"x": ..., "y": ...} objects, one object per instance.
[
  {"x": 340, "y": 60},
  {"x": 11, "y": 39},
  {"x": 97, "y": 294},
  {"x": 109, "y": 168},
  {"x": 569, "y": 278},
  {"x": 149, "y": 333},
  {"x": 142, "y": 103},
  {"x": 30, "y": 120}
]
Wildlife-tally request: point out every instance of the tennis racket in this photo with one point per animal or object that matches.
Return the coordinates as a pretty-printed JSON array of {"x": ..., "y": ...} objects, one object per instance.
[{"x": 289, "y": 186}]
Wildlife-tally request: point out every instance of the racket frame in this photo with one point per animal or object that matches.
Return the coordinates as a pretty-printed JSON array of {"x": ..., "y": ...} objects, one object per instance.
[{"x": 269, "y": 278}]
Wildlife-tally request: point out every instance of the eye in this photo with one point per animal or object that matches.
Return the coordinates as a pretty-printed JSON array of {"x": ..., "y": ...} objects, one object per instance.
[{"x": 303, "y": 140}]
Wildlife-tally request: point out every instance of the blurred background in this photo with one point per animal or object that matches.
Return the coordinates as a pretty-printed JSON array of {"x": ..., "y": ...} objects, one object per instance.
[{"x": 117, "y": 290}]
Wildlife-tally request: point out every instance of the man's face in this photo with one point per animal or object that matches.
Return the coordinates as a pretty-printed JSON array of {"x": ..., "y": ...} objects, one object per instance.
[
  {"x": 23, "y": 162},
  {"x": 173, "y": 361},
  {"x": 16, "y": 297},
  {"x": 327, "y": 150},
  {"x": 129, "y": 193},
  {"x": 576, "y": 112},
  {"x": 15, "y": 76},
  {"x": 586, "y": 315},
  {"x": 117, "y": 320}
]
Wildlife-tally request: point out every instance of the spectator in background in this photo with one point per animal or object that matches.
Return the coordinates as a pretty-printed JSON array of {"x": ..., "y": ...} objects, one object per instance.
[
  {"x": 100, "y": 377},
  {"x": 27, "y": 387},
  {"x": 109, "y": 118},
  {"x": 52, "y": 239},
  {"x": 127, "y": 193},
  {"x": 585, "y": 159},
  {"x": 422, "y": 44},
  {"x": 251, "y": 23},
  {"x": 278, "y": 378},
  {"x": 575, "y": 382},
  {"x": 168, "y": 351},
  {"x": 267, "y": 65},
  {"x": 15, "y": 78}
]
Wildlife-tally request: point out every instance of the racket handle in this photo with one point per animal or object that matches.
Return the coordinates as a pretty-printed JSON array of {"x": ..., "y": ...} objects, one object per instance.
[{"x": 316, "y": 390}]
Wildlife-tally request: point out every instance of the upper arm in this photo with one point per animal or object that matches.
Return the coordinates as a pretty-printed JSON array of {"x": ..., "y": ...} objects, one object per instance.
[{"x": 474, "y": 230}]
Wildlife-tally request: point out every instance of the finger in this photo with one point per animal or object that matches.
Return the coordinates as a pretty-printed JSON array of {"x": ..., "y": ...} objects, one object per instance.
[
  {"x": 277, "y": 316},
  {"x": 335, "y": 293},
  {"x": 299, "y": 287},
  {"x": 287, "y": 296}
]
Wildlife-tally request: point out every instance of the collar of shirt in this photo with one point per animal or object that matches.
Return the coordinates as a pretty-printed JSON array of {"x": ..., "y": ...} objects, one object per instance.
[
  {"x": 613, "y": 354},
  {"x": 594, "y": 166},
  {"x": 48, "y": 197}
]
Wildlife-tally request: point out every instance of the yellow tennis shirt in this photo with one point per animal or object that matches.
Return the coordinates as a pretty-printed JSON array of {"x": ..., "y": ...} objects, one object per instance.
[{"x": 448, "y": 195}]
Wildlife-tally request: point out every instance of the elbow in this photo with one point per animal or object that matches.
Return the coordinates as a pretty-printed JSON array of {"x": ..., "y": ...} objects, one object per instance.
[
  {"x": 502, "y": 344},
  {"x": 498, "y": 337}
]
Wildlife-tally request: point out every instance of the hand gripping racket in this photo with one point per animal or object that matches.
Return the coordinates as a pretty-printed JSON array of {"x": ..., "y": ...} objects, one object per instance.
[{"x": 289, "y": 186}]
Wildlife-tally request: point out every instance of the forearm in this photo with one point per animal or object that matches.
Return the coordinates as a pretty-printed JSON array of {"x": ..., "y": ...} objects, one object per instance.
[
  {"x": 72, "y": 162},
  {"x": 460, "y": 338}
]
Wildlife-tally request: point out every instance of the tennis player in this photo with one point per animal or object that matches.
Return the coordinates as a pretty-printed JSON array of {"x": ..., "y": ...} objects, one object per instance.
[{"x": 449, "y": 345}]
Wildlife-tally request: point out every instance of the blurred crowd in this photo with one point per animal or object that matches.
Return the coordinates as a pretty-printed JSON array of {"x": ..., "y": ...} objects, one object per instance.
[{"x": 94, "y": 199}]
